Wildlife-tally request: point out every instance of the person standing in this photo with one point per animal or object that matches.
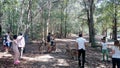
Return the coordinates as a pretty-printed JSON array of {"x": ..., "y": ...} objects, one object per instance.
[
  {"x": 15, "y": 50},
  {"x": 21, "y": 44},
  {"x": 7, "y": 41},
  {"x": 49, "y": 42},
  {"x": 104, "y": 49},
  {"x": 81, "y": 42},
  {"x": 116, "y": 54}
]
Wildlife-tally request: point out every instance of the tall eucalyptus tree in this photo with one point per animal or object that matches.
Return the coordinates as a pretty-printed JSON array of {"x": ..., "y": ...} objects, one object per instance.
[
  {"x": 90, "y": 6},
  {"x": 0, "y": 18},
  {"x": 115, "y": 5}
]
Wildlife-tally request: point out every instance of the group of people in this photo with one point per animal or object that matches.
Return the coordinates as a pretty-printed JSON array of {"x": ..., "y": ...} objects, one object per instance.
[
  {"x": 16, "y": 43},
  {"x": 81, "y": 42},
  {"x": 115, "y": 52}
]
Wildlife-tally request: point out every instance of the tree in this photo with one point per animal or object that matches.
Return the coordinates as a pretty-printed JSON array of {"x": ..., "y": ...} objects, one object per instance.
[
  {"x": 0, "y": 18},
  {"x": 89, "y": 6}
]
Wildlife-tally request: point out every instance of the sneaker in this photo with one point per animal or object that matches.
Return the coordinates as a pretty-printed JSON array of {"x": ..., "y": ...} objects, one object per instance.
[{"x": 16, "y": 62}]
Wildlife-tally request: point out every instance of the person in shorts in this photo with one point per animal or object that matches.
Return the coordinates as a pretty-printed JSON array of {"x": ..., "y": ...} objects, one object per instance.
[
  {"x": 104, "y": 49},
  {"x": 7, "y": 42}
]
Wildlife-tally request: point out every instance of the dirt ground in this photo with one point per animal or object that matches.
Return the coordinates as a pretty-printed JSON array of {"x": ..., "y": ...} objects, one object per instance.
[{"x": 58, "y": 59}]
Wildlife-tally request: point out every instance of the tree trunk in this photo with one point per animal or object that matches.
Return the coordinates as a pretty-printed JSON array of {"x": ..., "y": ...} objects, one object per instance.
[
  {"x": 92, "y": 34},
  {"x": 115, "y": 23},
  {"x": 0, "y": 25},
  {"x": 61, "y": 24},
  {"x": 66, "y": 22},
  {"x": 43, "y": 30},
  {"x": 1, "y": 20},
  {"x": 48, "y": 20},
  {"x": 21, "y": 17},
  {"x": 89, "y": 10},
  {"x": 29, "y": 17}
]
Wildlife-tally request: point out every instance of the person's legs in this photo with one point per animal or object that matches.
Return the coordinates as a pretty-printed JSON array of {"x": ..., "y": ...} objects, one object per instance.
[
  {"x": 118, "y": 63},
  {"x": 83, "y": 58},
  {"x": 21, "y": 52},
  {"x": 79, "y": 58},
  {"x": 107, "y": 56},
  {"x": 14, "y": 57},
  {"x": 6, "y": 47},
  {"x": 10, "y": 44},
  {"x": 17, "y": 55},
  {"x": 24, "y": 50},
  {"x": 103, "y": 52},
  {"x": 114, "y": 62}
]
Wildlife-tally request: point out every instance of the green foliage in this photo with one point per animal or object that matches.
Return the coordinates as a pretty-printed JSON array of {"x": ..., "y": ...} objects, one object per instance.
[{"x": 69, "y": 12}]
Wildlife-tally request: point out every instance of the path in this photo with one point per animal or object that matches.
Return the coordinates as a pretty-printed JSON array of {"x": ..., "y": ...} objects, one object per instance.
[{"x": 33, "y": 59}]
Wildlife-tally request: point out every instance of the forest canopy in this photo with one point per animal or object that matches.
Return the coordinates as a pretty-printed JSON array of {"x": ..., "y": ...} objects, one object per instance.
[{"x": 38, "y": 17}]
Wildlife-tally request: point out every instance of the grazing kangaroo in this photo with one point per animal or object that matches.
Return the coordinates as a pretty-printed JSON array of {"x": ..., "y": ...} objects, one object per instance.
[
  {"x": 42, "y": 46},
  {"x": 72, "y": 52}
]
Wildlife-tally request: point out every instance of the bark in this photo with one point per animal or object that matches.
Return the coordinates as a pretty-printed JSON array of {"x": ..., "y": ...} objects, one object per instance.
[
  {"x": 66, "y": 21},
  {"x": 115, "y": 23},
  {"x": 21, "y": 17},
  {"x": 29, "y": 17},
  {"x": 92, "y": 34},
  {"x": 0, "y": 25},
  {"x": 49, "y": 13},
  {"x": 0, "y": 21},
  {"x": 43, "y": 30},
  {"x": 89, "y": 10},
  {"x": 62, "y": 20},
  {"x": 43, "y": 20}
]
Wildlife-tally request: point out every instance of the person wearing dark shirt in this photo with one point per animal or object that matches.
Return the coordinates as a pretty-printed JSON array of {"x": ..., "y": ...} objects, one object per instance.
[{"x": 49, "y": 42}]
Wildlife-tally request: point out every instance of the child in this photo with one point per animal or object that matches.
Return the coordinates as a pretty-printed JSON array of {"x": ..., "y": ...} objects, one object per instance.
[
  {"x": 104, "y": 49},
  {"x": 21, "y": 44},
  {"x": 116, "y": 54},
  {"x": 15, "y": 50}
]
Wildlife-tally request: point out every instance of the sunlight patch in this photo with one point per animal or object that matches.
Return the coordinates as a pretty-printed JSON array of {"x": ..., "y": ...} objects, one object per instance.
[
  {"x": 64, "y": 40},
  {"x": 61, "y": 62},
  {"x": 7, "y": 55},
  {"x": 101, "y": 66},
  {"x": 44, "y": 58}
]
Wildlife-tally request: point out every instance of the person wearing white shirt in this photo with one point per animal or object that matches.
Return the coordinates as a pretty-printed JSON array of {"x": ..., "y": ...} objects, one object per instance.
[
  {"x": 104, "y": 49},
  {"x": 116, "y": 54},
  {"x": 21, "y": 44},
  {"x": 8, "y": 41},
  {"x": 81, "y": 50}
]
